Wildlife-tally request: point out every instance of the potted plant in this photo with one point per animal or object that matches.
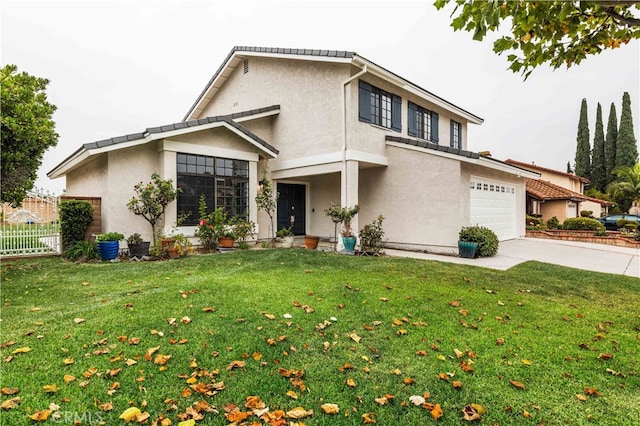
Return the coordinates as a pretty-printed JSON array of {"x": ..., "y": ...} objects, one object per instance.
[
  {"x": 137, "y": 247},
  {"x": 344, "y": 215},
  {"x": 311, "y": 242},
  {"x": 109, "y": 245},
  {"x": 226, "y": 236},
  {"x": 180, "y": 248},
  {"x": 475, "y": 241},
  {"x": 286, "y": 237}
]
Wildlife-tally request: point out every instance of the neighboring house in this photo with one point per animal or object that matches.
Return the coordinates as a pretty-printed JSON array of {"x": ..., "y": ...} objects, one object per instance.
[
  {"x": 559, "y": 194},
  {"x": 329, "y": 126}
]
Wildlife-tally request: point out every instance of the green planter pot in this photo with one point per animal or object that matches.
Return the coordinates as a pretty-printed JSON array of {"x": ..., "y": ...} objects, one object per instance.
[{"x": 467, "y": 249}]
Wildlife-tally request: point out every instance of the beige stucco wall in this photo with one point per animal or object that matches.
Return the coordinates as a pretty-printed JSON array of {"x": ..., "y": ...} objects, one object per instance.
[
  {"x": 308, "y": 92},
  {"x": 89, "y": 180},
  {"x": 557, "y": 208},
  {"x": 420, "y": 210}
]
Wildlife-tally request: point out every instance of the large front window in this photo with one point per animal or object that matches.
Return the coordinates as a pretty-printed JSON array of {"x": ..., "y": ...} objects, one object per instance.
[{"x": 223, "y": 181}]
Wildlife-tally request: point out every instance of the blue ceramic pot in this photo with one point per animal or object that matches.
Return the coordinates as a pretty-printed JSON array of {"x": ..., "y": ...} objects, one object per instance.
[{"x": 108, "y": 249}]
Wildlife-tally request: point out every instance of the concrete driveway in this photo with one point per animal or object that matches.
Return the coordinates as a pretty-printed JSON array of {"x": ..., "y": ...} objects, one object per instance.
[{"x": 587, "y": 256}]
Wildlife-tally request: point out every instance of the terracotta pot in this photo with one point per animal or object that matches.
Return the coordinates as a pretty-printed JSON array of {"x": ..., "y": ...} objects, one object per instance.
[
  {"x": 225, "y": 242},
  {"x": 311, "y": 242},
  {"x": 173, "y": 252}
]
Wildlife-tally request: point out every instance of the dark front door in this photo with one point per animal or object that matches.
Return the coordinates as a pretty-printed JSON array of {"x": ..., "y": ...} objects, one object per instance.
[{"x": 291, "y": 207}]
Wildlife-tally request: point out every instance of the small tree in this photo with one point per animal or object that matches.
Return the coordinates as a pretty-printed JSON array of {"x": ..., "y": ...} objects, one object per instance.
[
  {"x": 267, "y": 200},
  {"x": 599, "y": 178},
  {"x": 152, "y": 199},
  {"x": 626, "y": 145}
]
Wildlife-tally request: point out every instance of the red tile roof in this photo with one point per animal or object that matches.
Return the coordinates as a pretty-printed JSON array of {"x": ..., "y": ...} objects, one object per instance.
[
  {"x": 535, "y": 167},
  {"x": 546, "y": 191}
]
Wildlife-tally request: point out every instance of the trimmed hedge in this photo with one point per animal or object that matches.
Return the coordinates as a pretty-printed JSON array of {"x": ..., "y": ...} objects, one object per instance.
[
  {"x": 582, "y": 224},
  {"x": 75, "y": 217}
]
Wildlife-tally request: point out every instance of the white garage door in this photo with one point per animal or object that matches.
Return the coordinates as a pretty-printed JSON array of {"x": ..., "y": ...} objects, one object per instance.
[{"x": 493, "y": 205}]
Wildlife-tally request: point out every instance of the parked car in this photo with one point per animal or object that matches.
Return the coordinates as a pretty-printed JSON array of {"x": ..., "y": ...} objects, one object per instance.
[{"x": 610, "y": 222}]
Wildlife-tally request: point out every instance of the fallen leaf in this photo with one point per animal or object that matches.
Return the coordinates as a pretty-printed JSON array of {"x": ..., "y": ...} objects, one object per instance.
[
  {"x": 351, "y": 383},
  {"x": 417, "y": 400},
  {"x": 457, "y": 384},
  {"x": 470, "y": 413},
  {"x": 436, "y": 413},
  {"x": 526, "y": 362},
  {"x": 298, "y": 413},
  {"x": 40, "y": 416},
  {"x": 517, "y": 384},
  {"x": 330, "y": 408},
  {"x": 107, "y": 406},
  {"x": 236, "y": 364},
  {"x": 68, "y": 378},
  {"x": 130, "y": 414},
  {"x": 369, "y": 418},
  {"x": 21, "y": 350},
  {"x": 292, "y": 394},
  {"x": 50, "y": 388},
  {"x": 581, "y": 397},
  {"x": 10, "y": 403},
  {"x": 9, "y": 391},
  {"x": 79, "y": 320},
  {"x": 355, "y": 337},
  {"x": 161, "y": 359}
]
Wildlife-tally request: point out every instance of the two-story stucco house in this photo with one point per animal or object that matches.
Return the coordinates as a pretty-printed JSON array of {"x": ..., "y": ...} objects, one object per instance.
[
  {"x": 559, "y": 194},
  {"x": 329, "y": 126}
]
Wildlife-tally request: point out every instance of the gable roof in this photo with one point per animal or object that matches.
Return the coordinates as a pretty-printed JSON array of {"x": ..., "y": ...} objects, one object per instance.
[
  {"x": 545, "y": 169},
  {"x": 238, "y": 53},
  {"x": 546, "y": 191},
  {"x": 464, "y": 156},
  {"x": 174, "y": 129}
]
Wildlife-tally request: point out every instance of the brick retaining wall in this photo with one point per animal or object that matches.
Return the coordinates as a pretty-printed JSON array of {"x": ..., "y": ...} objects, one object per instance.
[{"x": 612, "y": 238}]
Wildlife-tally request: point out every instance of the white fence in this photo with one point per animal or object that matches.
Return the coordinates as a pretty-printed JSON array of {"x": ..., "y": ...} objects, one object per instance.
[{"x": 31, "y": 228}]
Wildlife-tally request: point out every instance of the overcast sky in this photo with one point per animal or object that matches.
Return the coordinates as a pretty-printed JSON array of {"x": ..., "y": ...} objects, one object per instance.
[{"x": 118, "y": 67}]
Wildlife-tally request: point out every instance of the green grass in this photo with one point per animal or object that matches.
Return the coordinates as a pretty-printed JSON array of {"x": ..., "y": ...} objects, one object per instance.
[{"x": 544, "y": 313}]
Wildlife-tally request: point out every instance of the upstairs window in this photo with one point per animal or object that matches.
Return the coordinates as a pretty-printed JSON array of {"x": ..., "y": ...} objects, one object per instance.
[
  {"x": 379, "y": 107},
  {"x": 422, "y": 123},
  {"x": 456, "y": 135}
]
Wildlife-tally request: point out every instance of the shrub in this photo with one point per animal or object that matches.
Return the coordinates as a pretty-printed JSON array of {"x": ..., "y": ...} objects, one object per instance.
[
  {"x": 582, "y": 223},
  {"x": 210, "y": 225},
  {"x": 631, "y": 226},
  {"x": 534, "y": 222},
  {"x": 600, "y": 233},
  {"x": 554, "y": 223},
  {"x": 75, "y": 217},
  {"x": 81, "y": 251},
  {"x": 586, "y": 213},
  {"x": 487, "y": 240},
  {"x": 371, "y": 236}
]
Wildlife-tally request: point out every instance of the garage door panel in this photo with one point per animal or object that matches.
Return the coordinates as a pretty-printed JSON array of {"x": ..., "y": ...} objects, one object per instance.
[{"x": 493, "y": 205}]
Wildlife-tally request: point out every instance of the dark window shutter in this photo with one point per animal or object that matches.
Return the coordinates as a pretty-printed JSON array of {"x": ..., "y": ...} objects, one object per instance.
[
  {"x": 396, "y": 113},
  {"x": 451, "y": 124},
  {"x": 434, "y": 127},
  {"x": 364, "y": 101},
  {"x": 412, "y": 125}
]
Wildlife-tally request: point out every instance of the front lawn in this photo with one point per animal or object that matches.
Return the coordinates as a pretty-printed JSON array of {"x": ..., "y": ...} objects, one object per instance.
[{"x": 195, "y": 338}]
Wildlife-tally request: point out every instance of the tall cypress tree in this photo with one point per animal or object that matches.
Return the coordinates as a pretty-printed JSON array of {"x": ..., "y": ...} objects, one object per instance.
[
  {"x": 598, "y": 167},
  {"x": 626, "y": 148},
  {"x": 610, "y": 144},
  {"x": 583, "y": 149}
]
